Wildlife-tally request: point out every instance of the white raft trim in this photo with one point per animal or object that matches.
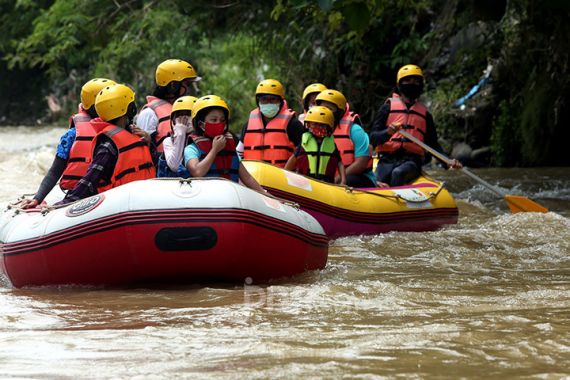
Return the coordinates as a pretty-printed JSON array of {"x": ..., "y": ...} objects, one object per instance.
[{"x": 152, "y": 194}]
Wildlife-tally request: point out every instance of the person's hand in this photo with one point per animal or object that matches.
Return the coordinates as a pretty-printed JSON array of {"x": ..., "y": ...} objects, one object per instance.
[
  {"x": 183, "y": 119},
  {"x": 382, "y": 185},
  {"x": 183, "y": 125},
  {"x": 29, "y": 203},
  {"x": 219, "y": 143},
  {"x": 142, "y": 134},
  {"x": 455, "y": 164},
  {"x": 393, "y": 128}
]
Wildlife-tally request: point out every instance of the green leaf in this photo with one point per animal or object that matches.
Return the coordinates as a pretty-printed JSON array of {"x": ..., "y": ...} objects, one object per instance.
[
  {"x": 357, "y": 16},
  {"x": 325, "y": 5}
]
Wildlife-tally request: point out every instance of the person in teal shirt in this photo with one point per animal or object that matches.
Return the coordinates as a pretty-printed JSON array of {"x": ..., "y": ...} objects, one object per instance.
[
  {"x": 212, "y": 152},
  {"x": 351, "y": 139}
]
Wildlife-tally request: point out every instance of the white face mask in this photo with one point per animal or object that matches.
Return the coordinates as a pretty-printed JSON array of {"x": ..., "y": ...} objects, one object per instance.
[{"x": 269, "y": 110}]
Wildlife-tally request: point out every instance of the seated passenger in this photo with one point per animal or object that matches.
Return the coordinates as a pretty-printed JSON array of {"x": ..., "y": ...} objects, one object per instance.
[
  {"x": 174, "y": 78},
  {"x": 121, "y": 151},
  {"x": 74, "y": 150},
  {"x": 401, "y": 159},
  {"x": 170, "y": 163},
  {"x": 310, "y": 98},
  {"x": 272, "y": 131},
  {"x": 318, "y": 156},
  {"x": 351, "y": 140},
  {"x": 213, "y": 150}
]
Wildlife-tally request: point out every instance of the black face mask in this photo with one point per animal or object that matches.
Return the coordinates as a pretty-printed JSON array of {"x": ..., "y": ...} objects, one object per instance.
[
  {"x": 410, "y": 90},
  {"x": 131, "y": 112}
]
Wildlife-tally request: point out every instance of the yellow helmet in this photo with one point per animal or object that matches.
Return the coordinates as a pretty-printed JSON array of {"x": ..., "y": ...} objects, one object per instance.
[
  {"x": 408, "y": 71},
  {"x": 113, "y": 101},
  {"x": 320, "y": 114},
  {"x": 312, "y": 88},
  {"x": 270, "y": 87},
  {"x": 90, "y": 90},
  {"x": 184, "y": 103},
  {"x": 207, "y": 102},
  {"x": 174, "y": 70},
  {"x": 333, "y": 96}
]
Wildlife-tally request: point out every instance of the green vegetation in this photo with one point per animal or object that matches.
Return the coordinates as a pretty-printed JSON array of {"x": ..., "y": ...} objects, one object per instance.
[{"x": 356, "y": 46}]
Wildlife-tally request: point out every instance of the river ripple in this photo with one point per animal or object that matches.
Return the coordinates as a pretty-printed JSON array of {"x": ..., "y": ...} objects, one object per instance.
[{"x": 488, "y": 297}]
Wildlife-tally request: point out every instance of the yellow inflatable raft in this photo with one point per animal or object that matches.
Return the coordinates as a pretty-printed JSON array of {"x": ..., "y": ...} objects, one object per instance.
[{"x": 424, "y": 205}]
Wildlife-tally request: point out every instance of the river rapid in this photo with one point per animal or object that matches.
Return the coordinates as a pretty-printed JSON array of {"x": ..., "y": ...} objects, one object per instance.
[{"x": 486, "y": 298}]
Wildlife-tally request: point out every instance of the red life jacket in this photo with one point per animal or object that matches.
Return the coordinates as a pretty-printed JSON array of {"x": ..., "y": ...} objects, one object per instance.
[
  {"x": 342, "y": 137},
  {"x": 80, "y": 153},
  {"x": 270, "y": 142},
  {"x": 413, "y": 121},
  {"x": 226, "y": 163},
  {"x": 162, "y": 109},
  {"x": 134, "y": 161}
]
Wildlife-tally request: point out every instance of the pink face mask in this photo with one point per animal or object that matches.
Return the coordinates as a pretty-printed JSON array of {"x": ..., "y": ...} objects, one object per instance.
[
  {"x": 319, "y": 132},
  {"x": 212, "y": 130}
]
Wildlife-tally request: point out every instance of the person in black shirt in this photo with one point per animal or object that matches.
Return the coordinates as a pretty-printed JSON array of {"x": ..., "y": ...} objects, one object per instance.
[{"x": 401, "y": 159}]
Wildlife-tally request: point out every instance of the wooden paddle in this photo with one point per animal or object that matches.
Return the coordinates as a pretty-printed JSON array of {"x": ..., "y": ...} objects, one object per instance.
[{"x": 516, "y": 203}]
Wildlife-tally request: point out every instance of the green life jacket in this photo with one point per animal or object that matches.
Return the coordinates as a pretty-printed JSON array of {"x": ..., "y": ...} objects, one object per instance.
[{"x": 318, "y": 157}]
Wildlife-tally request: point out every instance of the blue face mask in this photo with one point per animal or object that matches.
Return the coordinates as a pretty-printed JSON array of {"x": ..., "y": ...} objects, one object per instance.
[{"x": 269, "y": 110}]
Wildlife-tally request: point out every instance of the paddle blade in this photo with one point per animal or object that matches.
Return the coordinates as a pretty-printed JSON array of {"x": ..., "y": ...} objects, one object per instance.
[{"x": 523, "y": 204}]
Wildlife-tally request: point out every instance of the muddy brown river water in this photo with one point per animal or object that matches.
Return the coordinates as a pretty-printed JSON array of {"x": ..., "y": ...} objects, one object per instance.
[{"x": 486, "y": 298}]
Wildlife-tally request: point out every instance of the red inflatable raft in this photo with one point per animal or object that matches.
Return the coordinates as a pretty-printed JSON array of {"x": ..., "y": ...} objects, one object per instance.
[{"x": 161, "y": 230}]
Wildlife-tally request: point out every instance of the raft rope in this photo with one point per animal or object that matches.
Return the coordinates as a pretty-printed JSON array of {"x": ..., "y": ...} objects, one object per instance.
[
  {"x": 46, "y": 209},
  {"x": 398, "y": 197}
]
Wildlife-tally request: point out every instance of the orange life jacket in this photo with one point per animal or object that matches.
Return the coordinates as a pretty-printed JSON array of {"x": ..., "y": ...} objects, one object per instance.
[
  {"x": 162, "y": 109},
  {"x": 80, "y": 152},
  {"x": 134, "y": 161},
  {"x": 413, "y": 121},
  {"x": 269, "y": 142},
  {"x": 342, "y": 137}
]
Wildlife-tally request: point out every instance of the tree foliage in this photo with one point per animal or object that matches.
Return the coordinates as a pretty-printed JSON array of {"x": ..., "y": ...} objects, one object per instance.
[{"x": 356, "y": 46}]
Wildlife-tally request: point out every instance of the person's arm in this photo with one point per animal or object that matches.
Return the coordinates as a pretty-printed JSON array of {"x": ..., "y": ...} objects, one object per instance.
[
  {"x": 48, "y": 183},
  {"x": 361, "y": 150},
  {"x": 342, "y": 173},
  {"x": 50, "y": 180},
  {"x": 248, "y": 180},
  {"x": 199, "y": 168},
  {"x": 291, "y": 163},
  {"x": 101, "y": 169},
  {"x": 57, "y": 168},
  {"x": 358, "y": 166},
  {"x": 174, "y": 146},
  {"x": 295, "y": 130},
  {"x": 379, "y": 132}
]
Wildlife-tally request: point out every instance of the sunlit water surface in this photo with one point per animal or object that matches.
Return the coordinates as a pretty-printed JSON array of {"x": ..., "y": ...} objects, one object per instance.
[{"x": 486, "y": 298}]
